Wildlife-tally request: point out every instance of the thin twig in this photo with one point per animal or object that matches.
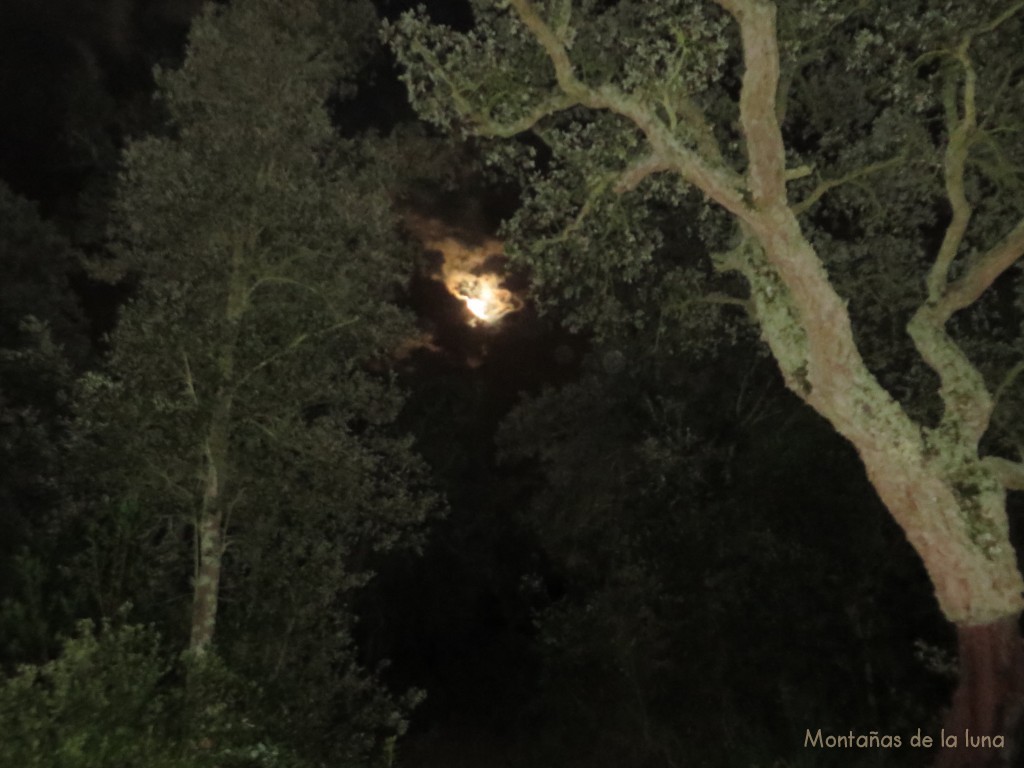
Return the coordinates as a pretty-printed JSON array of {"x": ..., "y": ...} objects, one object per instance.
[{"x": 831, "y": 184}]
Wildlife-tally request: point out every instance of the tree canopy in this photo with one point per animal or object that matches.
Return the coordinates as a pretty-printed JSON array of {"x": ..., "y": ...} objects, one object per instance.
[
  {"x": 772, "y": 398},
  {"x": 856, "y": 165},
  {"x": 241, "y": 433}
]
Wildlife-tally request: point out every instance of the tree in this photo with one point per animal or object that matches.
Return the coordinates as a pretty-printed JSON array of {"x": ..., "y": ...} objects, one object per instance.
[
  {"x": 42, "y": 334},
  {"x": 733, "y": 121},
  {"x": 242, "y": 421},
  {"x": 38, "y": 263},
  {"x": 677, "y": 515},
  {"x": 113, "y": 696}
]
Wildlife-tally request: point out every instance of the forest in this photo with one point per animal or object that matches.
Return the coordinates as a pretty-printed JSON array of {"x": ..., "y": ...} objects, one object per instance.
[{"x": 520, "y": 384}]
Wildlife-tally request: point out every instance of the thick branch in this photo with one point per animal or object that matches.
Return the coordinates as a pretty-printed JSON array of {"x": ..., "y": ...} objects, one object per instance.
[
  {"x": 717, "y": 182},
  {"x": 965, "y": 397},
  {"x": 552, "y": 45},
  {"x": 766, "y": 152}
]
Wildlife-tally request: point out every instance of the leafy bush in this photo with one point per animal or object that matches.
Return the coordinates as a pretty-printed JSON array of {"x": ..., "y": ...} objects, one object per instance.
[
  {"x": 99, "y": 704},
  {"x": 114, "y": 699}
]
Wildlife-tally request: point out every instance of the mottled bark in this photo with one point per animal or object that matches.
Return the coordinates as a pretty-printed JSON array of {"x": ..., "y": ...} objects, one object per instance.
[
  {"x": 209, "y": 533},
  {"x": 949, "y": 503},
  {"x": 207, "y": 582}
]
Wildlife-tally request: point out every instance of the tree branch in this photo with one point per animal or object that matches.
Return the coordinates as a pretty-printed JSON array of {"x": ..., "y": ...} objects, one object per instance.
[
  {"x": 982, "y": 272},
  {"x": 703, "y": 135},
  {"x": 718, "y": 183},
  {"x": 557, "y": 103},
  {"x": 189, "y": 382},
  {"x": 1007, "y": 381},
  {"x": 731, "y": 301},
  {"x": 294, "y": 344},
  {"x": 766, "y": 152},
  {"x": 965, "y": 397},
  {"x": 552, "y": 45},
  {"x": 829, "y": 184},
  {"x": 961, "y": 129},
  {"x": 274, "y": 280},
  {"x": 638, "y": 171},
  {"x": 183, "y": 493},
  {"x": 998, "y": 20},
  {"x": 968, "y": 405},
  {"x": 1009, "y": 473}
]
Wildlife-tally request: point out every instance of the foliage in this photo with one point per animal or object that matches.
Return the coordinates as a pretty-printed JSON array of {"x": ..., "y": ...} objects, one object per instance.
[
  {"x": 96, "y": 705},
  {"x": 246, "y": 382},
  {"x": 38, "y": 263},
  {"x": 114, "y": 697},
  {"x": 864, "y": 106},
  {"x": 838, "y": 158},
  {"x": 255, "y": 196},
  {"x": 42, "y": 338},
  {"x": 588, "y": 246},
  {"x": 679, "y": 518},
  {"x": 35, "y": 380},
  {"x": 773, "y": 119}
]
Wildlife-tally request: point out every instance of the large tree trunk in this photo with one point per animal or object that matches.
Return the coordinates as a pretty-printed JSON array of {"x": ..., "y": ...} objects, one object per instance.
[
  {"x": 963, "y": 540},
  {"x": 948, "y": 501},
  {"x": 989, "y": 699}
]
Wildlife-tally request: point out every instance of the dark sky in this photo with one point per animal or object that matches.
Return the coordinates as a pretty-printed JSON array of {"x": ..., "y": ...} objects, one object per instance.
[{"x": 67, "y": 70}]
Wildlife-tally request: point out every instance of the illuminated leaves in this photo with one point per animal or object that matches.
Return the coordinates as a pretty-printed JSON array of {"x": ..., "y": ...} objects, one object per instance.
[{"x": 244, "y": 387}]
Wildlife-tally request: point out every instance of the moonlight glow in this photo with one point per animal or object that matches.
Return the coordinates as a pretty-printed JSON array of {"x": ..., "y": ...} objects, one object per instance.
[
  {"x": 483, "y": 296},
  {"x": 467, "y": 270}
]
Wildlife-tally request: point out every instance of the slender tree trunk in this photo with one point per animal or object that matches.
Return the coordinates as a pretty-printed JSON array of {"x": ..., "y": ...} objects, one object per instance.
[
  {"x": 989, "y": 699},
  {"x": 207, "y": 581},
  {"x": 209, "y": 529},
  {"x": 209, "y": 534}
]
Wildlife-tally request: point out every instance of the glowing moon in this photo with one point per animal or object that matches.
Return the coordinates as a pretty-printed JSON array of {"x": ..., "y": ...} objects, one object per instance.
[
  {"x": 464, "y": 269},
  {"x": 483, "y": 296},
  {"x": 479, "y": 308}
]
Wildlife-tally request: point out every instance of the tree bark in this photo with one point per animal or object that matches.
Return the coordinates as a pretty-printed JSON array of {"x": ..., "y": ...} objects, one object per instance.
[
  {"x": 989, "y": 698},
  {"x": 950, "y": 504},
  {"x": 207, "y": 582},
  {"x": 209, "y": 528},
  {"x": 209, "y": 534}
]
